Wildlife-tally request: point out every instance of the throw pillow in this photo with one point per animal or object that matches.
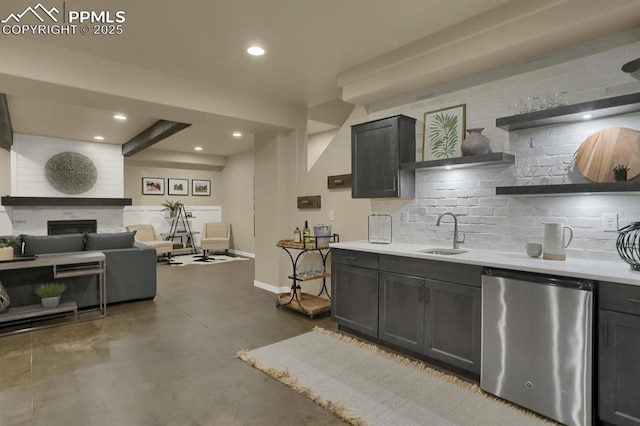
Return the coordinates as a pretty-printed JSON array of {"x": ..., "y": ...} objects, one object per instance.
[
  {"x": 40, "y": 244},
  {"x": 104, "y": 241}
]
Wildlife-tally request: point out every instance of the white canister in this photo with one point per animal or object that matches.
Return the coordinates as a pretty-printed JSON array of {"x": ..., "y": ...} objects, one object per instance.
[{"x": 556, "y": 240}]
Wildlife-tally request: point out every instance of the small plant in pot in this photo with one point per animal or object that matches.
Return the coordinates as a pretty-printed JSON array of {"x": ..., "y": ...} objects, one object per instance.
[
  {"x": 171, "y": 206},
  {"x": 50, "y": 294},
  {"x": 8, "y": 247},
  {"x": 620, "y": 172}
]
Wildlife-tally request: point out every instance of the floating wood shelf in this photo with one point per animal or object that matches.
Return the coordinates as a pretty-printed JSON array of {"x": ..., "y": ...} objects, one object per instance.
[
  {"x": 64, "y": 201},
  {"x": 621, "y": 188},
  {"x": 495, "y": 158},
  {"x": 624, "y": 104}
]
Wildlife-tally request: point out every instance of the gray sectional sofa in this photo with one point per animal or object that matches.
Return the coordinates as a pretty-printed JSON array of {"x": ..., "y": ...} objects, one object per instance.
[{"x": 131, "y": 269}]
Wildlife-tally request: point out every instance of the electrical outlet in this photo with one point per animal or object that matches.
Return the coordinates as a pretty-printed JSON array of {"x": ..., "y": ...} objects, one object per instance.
[
  {"x": 610, "y": 222},
  {"x": 331, "y": 215}
]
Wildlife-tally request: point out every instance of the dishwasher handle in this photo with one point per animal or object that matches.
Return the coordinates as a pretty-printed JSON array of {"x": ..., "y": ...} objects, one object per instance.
[{"x": 576, "y": 283}]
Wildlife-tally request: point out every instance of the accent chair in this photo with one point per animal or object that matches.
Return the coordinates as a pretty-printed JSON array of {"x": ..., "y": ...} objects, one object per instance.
[
  {"x": 216, "y": 237},
  {"x": 146, "y": 234}
]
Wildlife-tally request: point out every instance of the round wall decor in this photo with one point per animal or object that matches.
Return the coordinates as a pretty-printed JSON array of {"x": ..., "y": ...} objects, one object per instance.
[
  {"x": 600, "y": 152},
  {"x": 71, "y": 172}
]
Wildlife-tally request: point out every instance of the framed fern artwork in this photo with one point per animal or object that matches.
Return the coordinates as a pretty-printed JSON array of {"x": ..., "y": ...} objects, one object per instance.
[{"x": 443, "y": 132}]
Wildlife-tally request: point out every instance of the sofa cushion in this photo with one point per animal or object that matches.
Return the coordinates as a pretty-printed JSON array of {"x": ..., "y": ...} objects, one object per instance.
[
  {"x": 104, "y": 241},
  {"x": 40, "y": 244}
]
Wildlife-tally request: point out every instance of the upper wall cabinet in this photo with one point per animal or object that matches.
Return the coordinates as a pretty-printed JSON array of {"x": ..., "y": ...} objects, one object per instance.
[
  {"x": 624, "y": 104},
  {"x": 377, "y": 150}
]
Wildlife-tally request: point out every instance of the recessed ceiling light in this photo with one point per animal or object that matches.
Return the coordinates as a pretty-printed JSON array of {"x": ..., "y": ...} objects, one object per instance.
[
  {"x": 120, "y": 117},
  {"x": 255, "y": 51},
  {"x": 99, "y": 138},
  {"x": 237, "y": 134},
  {"x": 587, "y": 116},
  {"x": 198, "y": 148}
]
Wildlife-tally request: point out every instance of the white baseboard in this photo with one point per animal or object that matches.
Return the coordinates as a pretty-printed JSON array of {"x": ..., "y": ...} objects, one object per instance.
[
  {"x": 243, "y": 253},
  {"x": 271, "y": 288}
]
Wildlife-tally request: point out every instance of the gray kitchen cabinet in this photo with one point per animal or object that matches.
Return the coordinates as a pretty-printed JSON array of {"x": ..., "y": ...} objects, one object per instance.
[
  {"x": 428, "y": 307},
  {"x": 402, "y": 310},
  {"x": 440, "y": 303},
  {"x": 618, "y": 349},
  {"x": 377, "y": 150},
  {"x": 354, "y": 290},
  {"x": 453, "y": 324}
]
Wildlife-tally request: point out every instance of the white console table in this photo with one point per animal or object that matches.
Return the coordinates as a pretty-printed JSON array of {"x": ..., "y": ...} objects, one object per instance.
[{"x": 64, "y": 265}]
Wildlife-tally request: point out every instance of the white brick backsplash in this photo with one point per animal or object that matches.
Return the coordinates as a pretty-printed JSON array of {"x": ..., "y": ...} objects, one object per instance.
[{"x": 543, "y": 156}]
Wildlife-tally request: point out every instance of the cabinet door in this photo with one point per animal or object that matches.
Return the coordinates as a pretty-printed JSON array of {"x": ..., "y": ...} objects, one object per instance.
[
  {"x": 354, "y": 298},
  {"x": 619, "y": 368},
  {"x": 453, "y": 324},
  {"x": 402, "y": 310},
  {"x": 375, "y": 160}
]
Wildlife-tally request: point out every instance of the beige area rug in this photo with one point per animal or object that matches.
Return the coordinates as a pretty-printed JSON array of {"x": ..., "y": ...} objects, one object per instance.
[
  {"x": 189, "y": 259},
  {"x": 364, "y": 385}
]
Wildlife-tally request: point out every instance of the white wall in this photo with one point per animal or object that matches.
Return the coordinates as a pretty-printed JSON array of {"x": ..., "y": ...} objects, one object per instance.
[
  {"x": 29, "y": 154},
  {"x": 543, "y": 156},
  {"x": 133, "y": 175},
  {"x": 316, "y": 144},
  {"x": 33, "y": 220},
  {"x": 238, "y": 200}
]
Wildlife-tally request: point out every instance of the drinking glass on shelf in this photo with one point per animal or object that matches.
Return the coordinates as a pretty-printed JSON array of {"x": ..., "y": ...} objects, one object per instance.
[
  {"x": 514, "y": 108},
  {"x": 563, "y": 98},
  {"x": 302, "y": 271},
  {"x": 536, "y": 104},
  {"x": 559, "y": 97},
  {"x": 525, "y": 104},
  {"x": 317, "y": 270}
]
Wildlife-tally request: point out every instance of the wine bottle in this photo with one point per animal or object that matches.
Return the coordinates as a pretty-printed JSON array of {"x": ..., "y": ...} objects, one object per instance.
[
  {"x": 306, "y": 232},
  {"x": 297, "y": 235}
]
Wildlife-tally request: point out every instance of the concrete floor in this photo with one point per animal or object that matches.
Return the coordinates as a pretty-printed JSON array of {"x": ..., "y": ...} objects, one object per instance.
[{"x": 170, "y": 361}]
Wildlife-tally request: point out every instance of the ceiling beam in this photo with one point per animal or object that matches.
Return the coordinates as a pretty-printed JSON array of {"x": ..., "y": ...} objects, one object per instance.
[
  {"x": 158, "y": 131},
  {"x": 6, "y": 131}
]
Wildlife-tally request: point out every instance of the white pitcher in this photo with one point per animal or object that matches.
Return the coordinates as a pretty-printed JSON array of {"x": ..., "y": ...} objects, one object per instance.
[{"x": 554, "y": 240}]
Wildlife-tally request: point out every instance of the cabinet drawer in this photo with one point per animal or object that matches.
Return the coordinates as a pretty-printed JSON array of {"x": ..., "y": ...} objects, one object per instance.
[
  {"x": 619, "y": 298},
  {"x": 355, "y": 258},
  {"x": 444, "y": 271}
]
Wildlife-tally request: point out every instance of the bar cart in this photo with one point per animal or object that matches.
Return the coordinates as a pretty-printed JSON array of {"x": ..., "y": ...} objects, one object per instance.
[{"x": 309, "y": 304}]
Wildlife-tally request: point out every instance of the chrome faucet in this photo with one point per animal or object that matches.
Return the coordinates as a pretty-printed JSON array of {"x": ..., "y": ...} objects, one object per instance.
[{"x": 456, "y": 241}]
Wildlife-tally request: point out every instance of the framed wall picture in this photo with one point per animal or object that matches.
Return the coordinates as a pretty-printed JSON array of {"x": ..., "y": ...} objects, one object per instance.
[
  {"x": 152, "y": 186},
  {"x": 443, "y": 132},
  {"x": 178, "y": 186},
  {"x": 200, "y": 187}
]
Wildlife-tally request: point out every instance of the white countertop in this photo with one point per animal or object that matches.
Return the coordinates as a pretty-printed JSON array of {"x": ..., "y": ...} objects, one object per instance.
[{"x": 614, "y": 271}]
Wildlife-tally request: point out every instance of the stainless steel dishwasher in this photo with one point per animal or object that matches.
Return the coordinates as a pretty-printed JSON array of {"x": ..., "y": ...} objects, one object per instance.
[{"x": 537, "y": 343}]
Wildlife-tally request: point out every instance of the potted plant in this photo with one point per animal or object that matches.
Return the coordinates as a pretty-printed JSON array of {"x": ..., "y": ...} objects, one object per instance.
[
  {"x": 171, "y": 206},
  {"x": 8, "y": 246},
  {"x": 620, "y": 172},
  {"x": 50, "y": 294}
]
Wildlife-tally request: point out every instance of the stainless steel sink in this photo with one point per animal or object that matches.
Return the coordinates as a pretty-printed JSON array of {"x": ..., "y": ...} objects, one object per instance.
[{"x": 442, "y": 251}]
